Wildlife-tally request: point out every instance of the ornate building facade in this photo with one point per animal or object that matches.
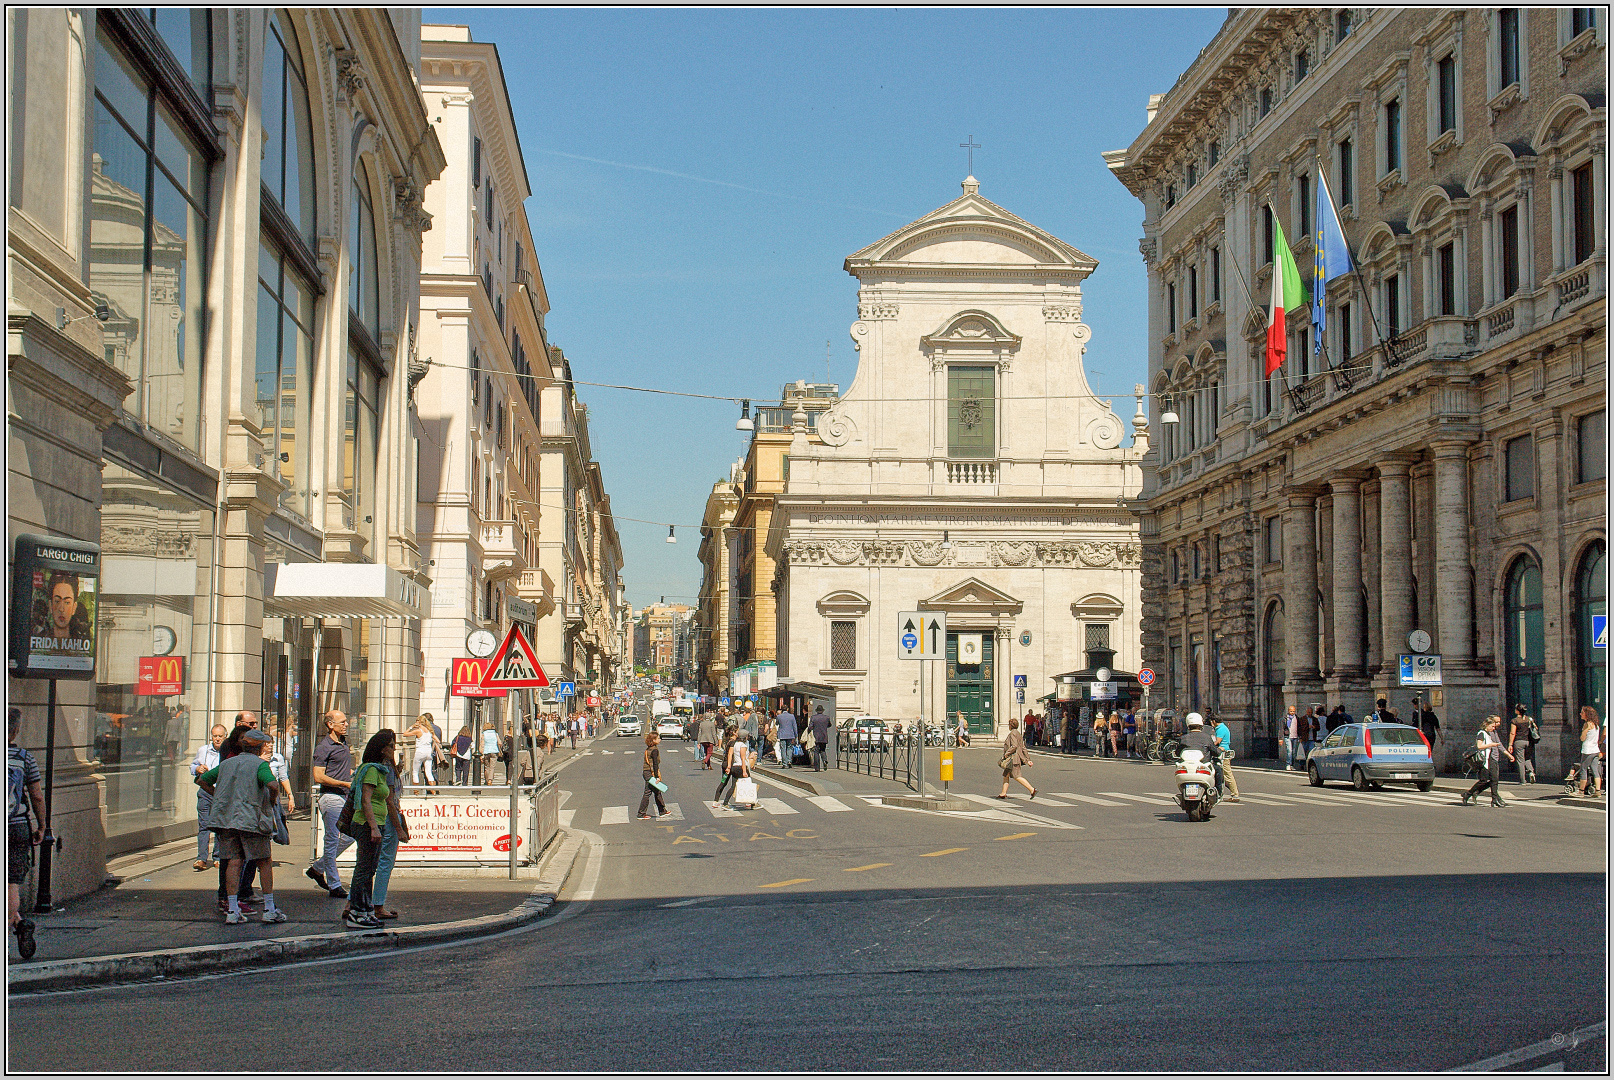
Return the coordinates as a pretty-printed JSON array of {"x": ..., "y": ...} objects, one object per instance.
[
  {"x": 1432, "y": 457},
  {"x": 969, "y": 469}
]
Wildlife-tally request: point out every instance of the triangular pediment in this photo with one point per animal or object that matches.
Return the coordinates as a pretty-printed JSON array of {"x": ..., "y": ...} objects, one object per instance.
[
  {"x": 972, "y": 595},
  {"x": 972, "y": 231}
]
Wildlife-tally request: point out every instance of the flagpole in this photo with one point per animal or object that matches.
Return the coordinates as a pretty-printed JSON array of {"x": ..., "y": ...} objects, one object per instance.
[{"x": 1277, "y": 272}]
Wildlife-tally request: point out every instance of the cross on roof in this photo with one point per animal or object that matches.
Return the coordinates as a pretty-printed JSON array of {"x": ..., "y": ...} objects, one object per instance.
[{"x": 970, "y": 148}]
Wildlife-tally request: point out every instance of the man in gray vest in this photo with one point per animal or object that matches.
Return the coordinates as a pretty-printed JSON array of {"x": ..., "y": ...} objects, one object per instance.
[{"x": 244, "y": 790}]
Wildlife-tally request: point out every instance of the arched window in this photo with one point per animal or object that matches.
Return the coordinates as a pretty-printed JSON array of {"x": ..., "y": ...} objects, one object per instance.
[
  {"x": 1273, "y": 637},
  {"x": 1591, "y": 599},
  {"x": 364, "y": 282},
  {"x": 1526, "y": 642},
  {"x": 288, "y": 135},
  {"x": 361, "y": 438}
]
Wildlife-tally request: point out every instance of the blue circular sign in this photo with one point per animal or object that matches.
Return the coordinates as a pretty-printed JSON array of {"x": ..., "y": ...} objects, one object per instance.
[{"x": 910, "y": 641}]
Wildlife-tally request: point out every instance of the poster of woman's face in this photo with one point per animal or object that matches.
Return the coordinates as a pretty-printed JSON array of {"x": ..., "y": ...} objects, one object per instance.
[{"x": 63, "y": 627}]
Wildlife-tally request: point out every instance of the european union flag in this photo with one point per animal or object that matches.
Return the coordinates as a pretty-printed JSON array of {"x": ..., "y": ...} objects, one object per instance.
[{"x": 1331, "y": 258}]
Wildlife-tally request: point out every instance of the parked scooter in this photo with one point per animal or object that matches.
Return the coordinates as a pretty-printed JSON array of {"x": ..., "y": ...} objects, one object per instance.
[{"x": 1196, "y": 785}]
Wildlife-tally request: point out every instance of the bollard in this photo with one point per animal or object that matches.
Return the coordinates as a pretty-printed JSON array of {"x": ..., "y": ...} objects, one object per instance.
[{"x": 946, "y": 769}]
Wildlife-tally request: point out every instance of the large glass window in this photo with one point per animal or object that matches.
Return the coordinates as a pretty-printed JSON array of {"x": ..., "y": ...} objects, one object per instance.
[
  {"x": 360, "y": 443},
  {"x": 148, "y": 244},
  {"x": 1507, "y": 48},
  {"x": 288, "y": 136},
  {"x": 364, "y": 279},
  {"x": 1526, "y": 641},
  {"x": 1446, "y": 77},
  {"x": 1392, "y": 135},
  {"x": 285, "y": 369},
  {"x": 971, "y": 412},
  {"x": 1591, "y": 601},
  {"x": 188, "y": 33},
  {"x": 1519, "y": 463},
  {"x": 1446, "y": 278},
  {"x": 1591, "y": 447}
]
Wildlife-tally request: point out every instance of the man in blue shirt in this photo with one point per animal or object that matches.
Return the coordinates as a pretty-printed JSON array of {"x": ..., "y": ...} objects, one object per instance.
[
  {"x": 787, "y": 738},
  {"x": 1224, "y": 764}
]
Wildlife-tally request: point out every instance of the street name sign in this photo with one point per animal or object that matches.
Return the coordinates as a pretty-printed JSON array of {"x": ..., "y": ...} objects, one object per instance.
[
  {"x": 921, "y": 635},
  {"x": 514, "y": 667}
]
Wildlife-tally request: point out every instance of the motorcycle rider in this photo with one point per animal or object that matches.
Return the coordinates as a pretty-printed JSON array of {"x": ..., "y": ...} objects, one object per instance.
[{"x": 1199, "y": 739}]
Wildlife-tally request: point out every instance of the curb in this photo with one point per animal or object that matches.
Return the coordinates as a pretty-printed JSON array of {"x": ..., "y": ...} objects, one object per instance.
[
  {"x": 816, "y": 787},
  {"x": 95, "y": 971},
  {"x": 926, "y": 802}
]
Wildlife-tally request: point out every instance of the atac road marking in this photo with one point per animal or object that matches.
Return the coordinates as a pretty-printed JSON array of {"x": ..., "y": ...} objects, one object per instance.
[
  {"x": 782, "y": 884},
  {"x": 871, "y": 866},
  {"x": 943, "y": 851}
]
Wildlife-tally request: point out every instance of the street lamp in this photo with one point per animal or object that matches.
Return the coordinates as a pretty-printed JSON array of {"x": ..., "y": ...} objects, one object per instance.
[
  {"x": 1168, "y": 417},
  {"x": 671, "y": 539},
  {"x": 744, "y": 422}
]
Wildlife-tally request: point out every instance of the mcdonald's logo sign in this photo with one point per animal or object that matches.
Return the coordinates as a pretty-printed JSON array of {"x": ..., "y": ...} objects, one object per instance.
[
  {"x": 465, "y": 678},
  {"x": 161, "y": 676}
]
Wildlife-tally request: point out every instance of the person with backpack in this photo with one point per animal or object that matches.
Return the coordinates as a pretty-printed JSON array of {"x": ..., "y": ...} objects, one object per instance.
[{"x": 24, "y": 788}]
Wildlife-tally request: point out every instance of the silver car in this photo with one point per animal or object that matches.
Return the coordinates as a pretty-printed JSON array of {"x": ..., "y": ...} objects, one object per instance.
[{"x": 1371, "y": 755}]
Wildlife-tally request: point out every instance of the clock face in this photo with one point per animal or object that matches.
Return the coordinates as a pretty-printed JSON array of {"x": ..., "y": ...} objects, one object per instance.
[
  {"x": 481, "y": 643},
  {"x": 163, "y": 640},
  {"x": 1418, "y": 641}
]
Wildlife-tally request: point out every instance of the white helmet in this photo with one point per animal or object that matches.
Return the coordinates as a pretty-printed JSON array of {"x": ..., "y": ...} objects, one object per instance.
[{"x": 1195, "y": 720}]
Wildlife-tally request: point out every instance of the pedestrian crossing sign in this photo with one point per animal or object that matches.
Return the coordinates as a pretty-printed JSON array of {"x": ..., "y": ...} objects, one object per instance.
[
  {"x": 514, "y": 667},
  {"x": 1599, "y": 631}
]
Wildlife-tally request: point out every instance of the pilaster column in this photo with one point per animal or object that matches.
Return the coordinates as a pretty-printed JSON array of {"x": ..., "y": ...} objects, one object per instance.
[
  {"x": 1325, "y": 574},
  {"x": 1395, "y": 558},
  {"x": 1347, "y": 572},
  {"x": 1370, "y": 557},
  {"x": 1300, "y": 587},
  {"x": 1454, "y": 602}
]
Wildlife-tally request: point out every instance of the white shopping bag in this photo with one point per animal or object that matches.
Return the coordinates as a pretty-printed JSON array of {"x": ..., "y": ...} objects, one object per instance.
[{"x": 745, "y": 790}]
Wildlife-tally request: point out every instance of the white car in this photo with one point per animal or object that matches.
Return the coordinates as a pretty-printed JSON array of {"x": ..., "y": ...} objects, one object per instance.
[
  {"x": 670, "y": 727},
  {"x": 629, "y": 725}
]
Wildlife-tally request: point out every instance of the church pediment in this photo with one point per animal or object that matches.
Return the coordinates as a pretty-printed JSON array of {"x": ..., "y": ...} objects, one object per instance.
[
  {"x": 973, "y": 596},
  {"x": 971, "y": 231},
  {"x": 972, "y": 329}
]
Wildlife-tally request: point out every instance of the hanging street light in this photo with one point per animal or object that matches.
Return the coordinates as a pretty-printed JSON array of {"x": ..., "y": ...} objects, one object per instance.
[{"x": 744, "y": 422}]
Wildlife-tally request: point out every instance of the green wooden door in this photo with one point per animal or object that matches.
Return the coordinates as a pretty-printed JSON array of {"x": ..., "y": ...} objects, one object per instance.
[{"x": 970, "y": 687}]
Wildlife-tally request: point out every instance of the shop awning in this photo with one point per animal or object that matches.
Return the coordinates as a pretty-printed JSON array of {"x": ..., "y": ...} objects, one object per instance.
[
  {"x": 340, "y": 591},
  {"x": 804, "y": 689}
]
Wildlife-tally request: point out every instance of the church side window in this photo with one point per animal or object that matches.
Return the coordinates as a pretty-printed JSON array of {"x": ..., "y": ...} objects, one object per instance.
[
  {"x": 843, "y": 645},
  {"x": 971, "y": 412}
]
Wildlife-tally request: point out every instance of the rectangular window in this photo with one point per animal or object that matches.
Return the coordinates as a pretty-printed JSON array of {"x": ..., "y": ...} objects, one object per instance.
[
  {"x": 1342, "y": 25},
  {"x": 1214, "y": 149},
  {"x": 1581, "y": 195},
  {"x": 1591, "y": 439},
  {"x": 971, "y": 412},
  {"x": 360, "y": 443},
  {"x": 1581, "y": 20},
  {"x": 1215, "y": 406},
  {"x": 1392, "y": 135},
  {"x": 1507, "y": 46},
  {"x": 1193, "y": 175},
  {"x": 1509, "y": 224},
  {"x": 488, "y": 211},
  {"x": 1176, "y": 567},
  {"x": 1344, "y": 333},
  {"x": 1446, "y": 278},
  {"x": 1446, "y": 75},
  {"x": 1171, "y": 307},
  {"x": 1195, "y": 558},
  {"x": 1303, "y": 191},
  {"x": 1193, "y": 292},
  {"x": 1267, "y": 249},
  {"x": 284, "y": 370},
  {"x": 476, "y": 163},
  {"x": 1266, "y": 100},
  {"x": 1347, "y": 180},
  {"x": 843, "y": 645},
  {"x": 1216, "y": 275},
  {"x": 1519, "y": 462},
  {"x": 1302, "y": 64},
  {"x": 1274, "y": 539},
  {"x": 1392, "y": 305},
  {"x": 1171, "y": 195},
  {"x": 1096, "y": 635}
]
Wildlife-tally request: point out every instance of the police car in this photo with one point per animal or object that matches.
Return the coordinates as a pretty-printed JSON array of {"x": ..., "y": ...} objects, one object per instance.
[{"x": 1371, "y": 755}]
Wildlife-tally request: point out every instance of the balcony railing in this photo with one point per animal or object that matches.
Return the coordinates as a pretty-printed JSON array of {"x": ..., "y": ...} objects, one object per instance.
[
  {"x": 1500, "y": 322},
  {"x": 1575, "y": 286},
  {"x": 972, "y": 472}
]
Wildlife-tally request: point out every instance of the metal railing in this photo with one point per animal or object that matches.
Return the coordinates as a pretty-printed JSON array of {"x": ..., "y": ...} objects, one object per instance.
[{"x": 892, "y": 755}]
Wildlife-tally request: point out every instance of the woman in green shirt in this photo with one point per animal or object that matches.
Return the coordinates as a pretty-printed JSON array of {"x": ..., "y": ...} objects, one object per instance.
[{"x": 381, "y": 827}]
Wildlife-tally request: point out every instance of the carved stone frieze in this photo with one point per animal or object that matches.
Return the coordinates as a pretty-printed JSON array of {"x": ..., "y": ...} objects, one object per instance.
[
  {"x": 349, "y": 73},
  {"x": 877, "y": 310},
  {"x": 1008, "y": 553},
  {"x": 1063, "y": 313},
  {"x": 927, "y": 552},
  {"x": 409, "y": 208},
  {"x": 1149, "y": 250},
  {"x": 1027, "y": 553}
]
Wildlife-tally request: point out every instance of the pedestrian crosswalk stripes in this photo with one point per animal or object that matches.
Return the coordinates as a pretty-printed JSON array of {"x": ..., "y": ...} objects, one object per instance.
[
  {"x": 1153, "y": 800},
  {"x": 1086, "y": 799},
  {"x": 828, "y": 803},
  {"x": 777, "y": 806},
  {"x": 614, "y": 815}
]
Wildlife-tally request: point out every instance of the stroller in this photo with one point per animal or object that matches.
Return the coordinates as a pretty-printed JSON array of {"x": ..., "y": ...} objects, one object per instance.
[{"x": 1575, "y": 779}]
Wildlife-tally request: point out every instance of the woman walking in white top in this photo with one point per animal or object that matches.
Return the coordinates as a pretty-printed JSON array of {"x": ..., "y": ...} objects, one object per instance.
[{"x": 426, "y": 746}]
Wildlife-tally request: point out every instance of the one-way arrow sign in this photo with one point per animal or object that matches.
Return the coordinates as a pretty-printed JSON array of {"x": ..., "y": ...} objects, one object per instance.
[
  {"x": 921, "y": 635},
  {"x": 514, "y": 667}
]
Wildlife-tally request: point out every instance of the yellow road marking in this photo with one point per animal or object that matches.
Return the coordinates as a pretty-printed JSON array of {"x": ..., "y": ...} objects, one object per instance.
[
  {"x": 947, "y": 851},
  {"x": 792, "y": 881},
  {"x": 1017, "y": 836},
  {"x": 871, "y": 866}
]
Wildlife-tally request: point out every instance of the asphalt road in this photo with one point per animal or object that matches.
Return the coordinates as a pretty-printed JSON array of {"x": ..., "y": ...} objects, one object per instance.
[{"x": 1294, "y": 931}]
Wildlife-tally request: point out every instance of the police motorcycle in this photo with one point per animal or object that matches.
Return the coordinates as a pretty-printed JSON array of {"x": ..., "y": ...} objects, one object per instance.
[{"x": 1196, "y": 776}]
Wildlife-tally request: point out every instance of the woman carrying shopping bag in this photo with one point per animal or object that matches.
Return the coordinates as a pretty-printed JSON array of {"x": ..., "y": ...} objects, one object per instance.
[
  {"x": 652, "y": 778},
  {"x": 738, "y": 764}
]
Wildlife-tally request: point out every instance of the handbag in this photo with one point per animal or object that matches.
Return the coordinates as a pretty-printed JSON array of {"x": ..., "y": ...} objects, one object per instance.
[
  {"x": 281, "y": 835},
  {"x": 344, "y": 821},
  {"x": 1475, "y": 759},
  {"x": 1006, "y": 762},
  {"x": 1535, "y": 732},
  {"x": 745, "y": 790}
]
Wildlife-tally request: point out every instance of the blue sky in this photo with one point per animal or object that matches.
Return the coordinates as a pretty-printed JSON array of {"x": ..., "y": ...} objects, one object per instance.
[{"x": 699, "y": 175}]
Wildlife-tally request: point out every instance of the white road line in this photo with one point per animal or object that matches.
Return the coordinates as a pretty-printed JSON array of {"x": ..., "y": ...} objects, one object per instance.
[
  {"x": 614, "y": 815},
  {"x": 1545, "y": 1046},
  {"x": 687, "y": 903},
  {"x": 1558, "y": 806},
  {"x": 1152, "y": 800},
  {"x": 720, "y": 811},
  {"x": 674, "y": 812},
  {"x": 777, "y": 806},
  {"x": 566, "y": 818},
  {"x": 828, "y": 803},
  {"x": 1012, "y": 810},
  {"x": 1087, "y": 799}
]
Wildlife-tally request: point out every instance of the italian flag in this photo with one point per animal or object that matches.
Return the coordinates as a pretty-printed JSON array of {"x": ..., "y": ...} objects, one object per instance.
[{"x": 1288, "y": 294}]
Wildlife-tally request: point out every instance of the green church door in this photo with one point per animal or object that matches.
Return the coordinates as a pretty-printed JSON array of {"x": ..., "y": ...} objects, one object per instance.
[{"x": 969, "y": 687}]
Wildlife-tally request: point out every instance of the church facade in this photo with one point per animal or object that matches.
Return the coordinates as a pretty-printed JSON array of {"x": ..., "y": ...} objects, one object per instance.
[{"x": 969, "y": 470}]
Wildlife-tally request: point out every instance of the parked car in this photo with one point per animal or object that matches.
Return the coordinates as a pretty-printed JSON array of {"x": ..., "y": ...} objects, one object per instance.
[
  {"x": 865, "y": 733},
  {"x": 1371, "y": 755},
  {"x": 629, "y": 725}
]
